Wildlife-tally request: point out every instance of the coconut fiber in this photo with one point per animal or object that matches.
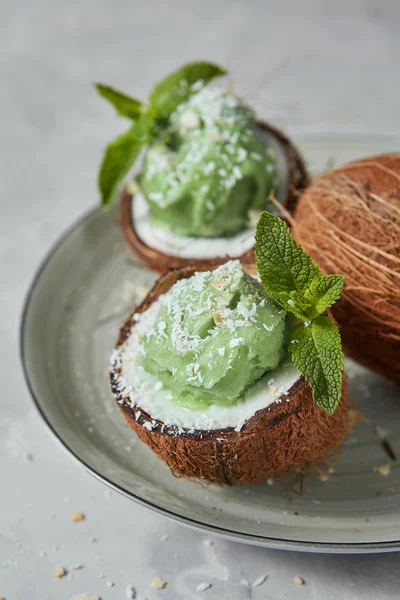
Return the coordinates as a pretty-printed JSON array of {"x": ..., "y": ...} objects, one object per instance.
[{"x": 348, "y": 220}]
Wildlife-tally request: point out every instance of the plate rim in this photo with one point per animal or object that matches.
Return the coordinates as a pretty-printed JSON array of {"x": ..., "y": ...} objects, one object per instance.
[{"x": 222, "y": 532}]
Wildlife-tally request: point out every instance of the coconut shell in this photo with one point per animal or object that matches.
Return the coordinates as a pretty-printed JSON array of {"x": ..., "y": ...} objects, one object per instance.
[
  {"x": 348, "y": 220},
  {"x": 298, "y": 179},
  {"x": 286, "y": 434}
]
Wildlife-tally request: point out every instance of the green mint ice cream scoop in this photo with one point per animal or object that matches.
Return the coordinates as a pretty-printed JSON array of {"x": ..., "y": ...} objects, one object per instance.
[
  {"x": 207, "y": 169},
  {"x": 216, "y": 333}
]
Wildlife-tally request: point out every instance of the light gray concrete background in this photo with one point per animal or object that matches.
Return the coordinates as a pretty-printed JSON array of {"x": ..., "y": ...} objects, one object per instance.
[{"x": 308, "y": 66}]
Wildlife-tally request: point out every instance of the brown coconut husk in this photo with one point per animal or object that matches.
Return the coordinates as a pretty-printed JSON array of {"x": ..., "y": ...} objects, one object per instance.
[
  {"x": 287, "y": 434},
  {"x": 349, "y": 222},
  {"x": 298, "y": 179}
]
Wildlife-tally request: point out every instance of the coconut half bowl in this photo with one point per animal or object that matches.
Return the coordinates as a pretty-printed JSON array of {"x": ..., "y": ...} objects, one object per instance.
[
  {"x": 286, "y": 434},
  {"x": 161, "y": 255}
]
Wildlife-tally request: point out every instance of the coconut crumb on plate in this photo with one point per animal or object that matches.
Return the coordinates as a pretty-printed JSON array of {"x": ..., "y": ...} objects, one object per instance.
[
  {"x": 208, "y": 542},
  {"x": 76, "y": 517},
  {"x": 158, "y": 583},
  {"x": 298, "y": 580},
  {"x": 59, "y": 573},
  {"x": 259, "y": 581},
  {"x": 356, "y": 417},
  {"x": 203, "y": 586},
  {"x": 85, "y": 597},
  {"x": 381, "y": 432},
  {"x": 382, "y": 469}
]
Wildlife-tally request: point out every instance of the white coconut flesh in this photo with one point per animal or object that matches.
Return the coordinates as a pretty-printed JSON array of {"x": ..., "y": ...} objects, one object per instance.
[
  {"x": 168, "y": 242},
  {"x": 146, "y": 393}
]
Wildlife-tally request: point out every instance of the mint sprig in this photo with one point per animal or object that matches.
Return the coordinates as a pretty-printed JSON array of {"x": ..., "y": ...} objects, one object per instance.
[
  {"x": 165, "y": 97},
  {"x": 295, "y": 282}
]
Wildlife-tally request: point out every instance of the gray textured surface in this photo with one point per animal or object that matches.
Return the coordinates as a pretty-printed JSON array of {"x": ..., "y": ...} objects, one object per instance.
[{"x": 320, "y": 68}]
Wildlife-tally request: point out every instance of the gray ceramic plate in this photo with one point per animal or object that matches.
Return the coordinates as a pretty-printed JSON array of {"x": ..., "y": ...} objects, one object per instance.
[{"x": 80, "y": 295}]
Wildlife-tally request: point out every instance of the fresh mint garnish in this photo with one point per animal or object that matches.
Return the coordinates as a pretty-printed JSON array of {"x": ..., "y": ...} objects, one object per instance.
[
  {"x": 125, "y": 105},
  {"x": 292, "y": 279},
  {"x": 165, "y": 97},
  {"x": 325, "y": 291}
]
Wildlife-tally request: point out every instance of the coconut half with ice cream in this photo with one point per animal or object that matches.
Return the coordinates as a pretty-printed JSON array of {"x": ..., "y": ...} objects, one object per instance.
[
  {"x": 202, "y": 375},
  {"x": 205, "y": 171},
  {"x": 199, "y": 201}
]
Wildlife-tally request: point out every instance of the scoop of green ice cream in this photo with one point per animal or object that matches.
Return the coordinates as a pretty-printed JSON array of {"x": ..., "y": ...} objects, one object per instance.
[
  {"x": 215, "y": 334},
  {"x": 208, "y": 169}
]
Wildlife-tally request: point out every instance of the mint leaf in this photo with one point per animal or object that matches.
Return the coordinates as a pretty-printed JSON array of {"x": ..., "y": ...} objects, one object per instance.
[
  {"x": 325, "y": 291},
  {"x": 144, "y": 126},
  {"x": 125, "y": 105},
  {"x": 292, "y": 279},
  {"x": 322, "y": 292},
  {"x": 288, "y": 273},
  {"x": 178, "y": 86},
  {"x": 317, "y": 352},
  {"x": 283, "y": 265},
  {"x": 118, "y": 159},
  {"x": 295, "y": 303}
]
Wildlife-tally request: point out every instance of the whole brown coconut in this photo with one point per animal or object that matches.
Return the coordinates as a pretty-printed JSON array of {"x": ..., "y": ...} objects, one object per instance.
[
  {"x": 288, "y": 433},
  {"x": 298, "y": 179},
  {"x": 348, "y": 220}
]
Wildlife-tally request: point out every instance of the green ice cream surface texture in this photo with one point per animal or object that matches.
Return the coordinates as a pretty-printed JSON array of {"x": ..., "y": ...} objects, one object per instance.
[
  {"x": 215, "y": 334},
  {"x": 206, "y": 169}
]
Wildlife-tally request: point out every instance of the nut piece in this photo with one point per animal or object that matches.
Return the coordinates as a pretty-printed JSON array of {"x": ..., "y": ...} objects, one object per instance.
[
  {"x": 219, "y": 285},
  {"x": 298, "y": 580},
  {"x": 217, "y": 317},
  {"x": 356, "y": 417},
  {"x": 59, "y": 572},
  {"x": 77, "y": 516},
  {"x": 383, "y": 470},
  {"x": 158, "y": 583},
  {"x": 381, "y": 432}
]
